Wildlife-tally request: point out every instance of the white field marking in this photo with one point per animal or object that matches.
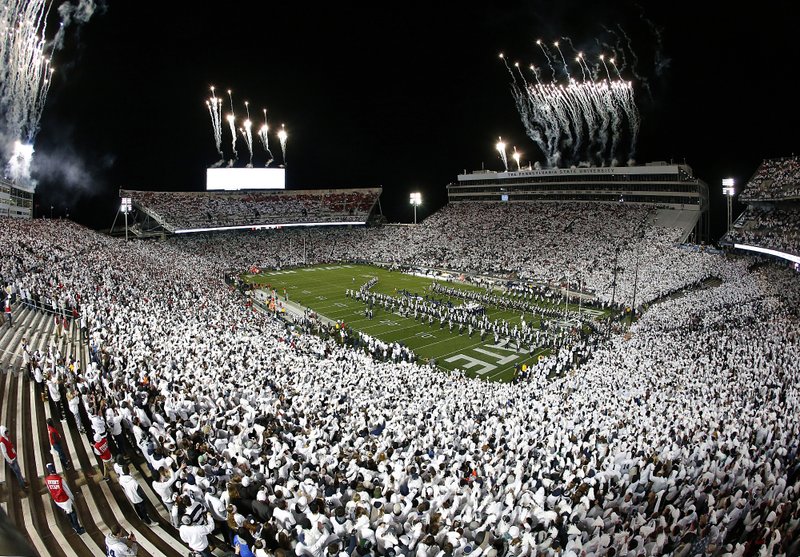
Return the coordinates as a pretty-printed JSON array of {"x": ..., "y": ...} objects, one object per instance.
[
  {"x": 501, "y": 360},
  {"x": 533, "y": 356},
  {"x": 503, "y": 345},
  {"x": 471, "y": 363},
  {"x": 448, "y": 339}
]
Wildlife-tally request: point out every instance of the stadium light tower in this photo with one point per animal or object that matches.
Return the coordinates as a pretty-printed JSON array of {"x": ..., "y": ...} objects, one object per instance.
[
  {"x": 126, "y": 208},
  {"x": 729, "y": 191},
  {"x": 416, "y": 201}
]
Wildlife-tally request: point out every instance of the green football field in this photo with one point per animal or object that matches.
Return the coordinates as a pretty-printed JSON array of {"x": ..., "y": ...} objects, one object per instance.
[{"x": 322, "y": 289}]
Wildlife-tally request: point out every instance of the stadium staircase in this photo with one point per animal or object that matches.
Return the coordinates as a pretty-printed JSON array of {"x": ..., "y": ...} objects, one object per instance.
[
  {"x": 101, "y": 505},
  {"x": 684, "y": 220}
]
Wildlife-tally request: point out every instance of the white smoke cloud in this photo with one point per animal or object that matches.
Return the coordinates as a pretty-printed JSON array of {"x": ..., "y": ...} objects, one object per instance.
[
  {"x": 70, "y": 14},
  {"x": 69, "y": 171},
  {"x": 19, "y": 165}
]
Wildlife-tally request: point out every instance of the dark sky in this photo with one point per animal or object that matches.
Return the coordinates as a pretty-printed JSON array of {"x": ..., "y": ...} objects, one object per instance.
[{"x": 404, "y": 96}]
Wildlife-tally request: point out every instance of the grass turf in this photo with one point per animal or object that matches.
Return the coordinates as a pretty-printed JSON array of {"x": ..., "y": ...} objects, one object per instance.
[{"x": 322, "y": 289}]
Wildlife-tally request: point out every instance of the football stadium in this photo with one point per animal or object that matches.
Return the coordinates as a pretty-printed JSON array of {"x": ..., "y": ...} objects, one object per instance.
[
  {"x": 559, "y": 360},
  {"x": 519, "y": 366}
]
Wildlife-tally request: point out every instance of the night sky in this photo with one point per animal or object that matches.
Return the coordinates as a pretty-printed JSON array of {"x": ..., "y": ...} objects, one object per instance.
[{"x": 404, "y": 96}]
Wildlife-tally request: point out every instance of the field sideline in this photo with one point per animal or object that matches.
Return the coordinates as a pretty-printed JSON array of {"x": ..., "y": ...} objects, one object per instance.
[{"x": 322, "y": 288}]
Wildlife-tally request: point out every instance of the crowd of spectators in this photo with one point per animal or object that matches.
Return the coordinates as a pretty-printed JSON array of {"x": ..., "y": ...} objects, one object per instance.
[
  {"x": 774, "y": 180},
  {"x": 776, "y": 228},
  {"x": 188, "y": 210},
  {"x": 568, "y": 243},
  {"x": 677, "y": 438}
]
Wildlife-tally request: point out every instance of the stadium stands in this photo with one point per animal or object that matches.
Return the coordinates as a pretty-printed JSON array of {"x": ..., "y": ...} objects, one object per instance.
[
  {"x": 184, "y": 211},
  {"x": 677, "y": 438},
  {"x": 771, "y": 222},
  {"x": 535, "y": 241},
  {"x": 768, "y": 227},
  {"x": 774, "y": 180}
]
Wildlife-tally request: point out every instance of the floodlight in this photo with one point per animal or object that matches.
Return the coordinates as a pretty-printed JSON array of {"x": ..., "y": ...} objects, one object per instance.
[
  {"x": 416, "y": 200},
  {"x": 729, "y": 191}
]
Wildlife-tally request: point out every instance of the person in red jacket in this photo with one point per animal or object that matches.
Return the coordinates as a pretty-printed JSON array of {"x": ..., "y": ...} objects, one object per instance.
[
  {"x": 9, "y": 453},
  {"x": 62, "y": 496},
  {"x": 101, "y": 449},
  {"x": 8, "y": 313},
  {"x": 55, "y": 442}
]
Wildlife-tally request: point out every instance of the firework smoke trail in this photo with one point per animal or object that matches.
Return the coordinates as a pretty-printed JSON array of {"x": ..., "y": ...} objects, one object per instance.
[
  {"x": 232, "y": 124},
  {"x": 214, "y": 105},
  {"x": 587, "y": 115},
  {"x": 635, "y": 62},
  {"x": 547, "y": 56},
  {"x": 247, "y": 134},
  {"x": 616, "y": 69},
  {"x": 605, "y": 109},
  {"x": 603, "y": 60},
  {"x": 564, "y": 60},
  {"x": 634, "y": 57},
  {"x": 501, "y": 148},
  {"x": 522, "y": 77},
  {"x": 587, "y": 112},
  {"x": 591, "y": 112},
  {"x": 565, "y": 138},
  {"x": 590, "y": 74},
  {"x": 544, "y": 111},
  {"x": 569, "y": 42},
  {"x": 505, "y": 62},
  {"x": 632, "y": 114},
  {"x": 579, "y": 59},
  {"x": 282, "y": 136},
  {"x": 574, "y": 110},
  {"x": 618, "y": 48},
  {"x": 616, "y": 113},
  {"x": 535, "y": 72},
  {"x": 263, "y": 134},
  {"x": 609, "y": 102},
  {"x": 525, "y": 107}
]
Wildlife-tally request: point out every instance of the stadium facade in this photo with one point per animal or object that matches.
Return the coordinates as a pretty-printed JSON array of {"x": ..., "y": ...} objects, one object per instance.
[
  {"x": 672, "y": 187},
  {"x": 16, "y": 201}
]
